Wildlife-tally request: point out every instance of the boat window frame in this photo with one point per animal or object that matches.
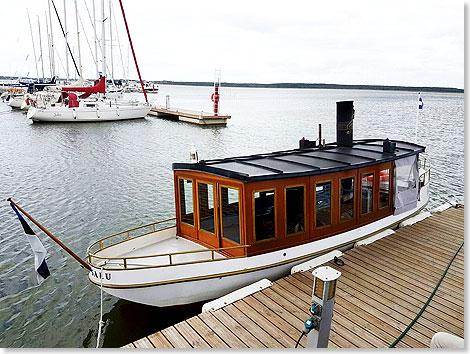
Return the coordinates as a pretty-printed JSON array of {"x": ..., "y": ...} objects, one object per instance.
[
  {"x": 285, "y": 209},
  {"x": 354, "y": 211},
  {"x": 219, "y": 211},
  {"x": 390, "y": 197},
  {"x": 179, "y": 202},
  {"x": 315, "y": 227},
  {"x": 215, "y": 207},
  {"x": 372, "y": 211},
  {"x": 255, "y": 241}
]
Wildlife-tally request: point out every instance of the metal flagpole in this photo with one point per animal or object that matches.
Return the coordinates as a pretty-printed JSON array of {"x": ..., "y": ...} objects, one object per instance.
[
  {"x": 420, "y": 106},
  {"x": 68, "y": 250}
]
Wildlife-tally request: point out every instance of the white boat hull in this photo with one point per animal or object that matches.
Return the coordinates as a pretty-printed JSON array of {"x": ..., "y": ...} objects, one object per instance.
[
  {"x": 15, "y": 102},
  {"x": 189, "y": 283},
  {"x": 84, "y": 114}
]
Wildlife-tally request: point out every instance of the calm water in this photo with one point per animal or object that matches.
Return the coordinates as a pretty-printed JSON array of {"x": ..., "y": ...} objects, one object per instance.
[{"x": 85, "y": 181}]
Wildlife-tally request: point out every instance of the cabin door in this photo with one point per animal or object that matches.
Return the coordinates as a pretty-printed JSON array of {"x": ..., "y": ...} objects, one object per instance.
[
  {"x": 229, "y": 216},
  {"x": 208, "y": 225}
]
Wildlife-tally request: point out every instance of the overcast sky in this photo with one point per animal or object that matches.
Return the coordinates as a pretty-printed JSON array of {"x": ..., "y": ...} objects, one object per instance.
[{"x": 410, "y": 43}]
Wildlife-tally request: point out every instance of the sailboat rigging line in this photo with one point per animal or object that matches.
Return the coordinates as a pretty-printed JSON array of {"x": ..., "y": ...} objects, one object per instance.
[
  {"x": 34, "y": 49},
  {"x": 63, "y": 32},
  {"x": 119, "y": 42},
  {"x": 133, "y": 52},
  {"x": 68, "y": 250},
  {"x": 86, "y": 37}
]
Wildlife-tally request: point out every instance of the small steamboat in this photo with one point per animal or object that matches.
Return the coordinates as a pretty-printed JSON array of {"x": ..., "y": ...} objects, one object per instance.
[{"x": 242, "y": 219}]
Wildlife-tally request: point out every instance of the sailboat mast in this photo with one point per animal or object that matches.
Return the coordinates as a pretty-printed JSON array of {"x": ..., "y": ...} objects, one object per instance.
[
  {"x": 52, "y": 59},
  {"x": 111, "y": 41},
  {"x": 49, "y": 45},
  {"x": 34, "y": 50},
  {"x": 133, "y": 53},
  {"x": 66, "y": 33},
  {"x": 40, "y": 49},
  {"x": 103, "y": 39},
  {"x": 78, "y": 41},
  {"x": 96, "y": 41}
]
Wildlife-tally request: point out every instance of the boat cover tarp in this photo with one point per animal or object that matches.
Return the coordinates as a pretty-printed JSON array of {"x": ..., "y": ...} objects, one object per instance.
[
  {"x": 406, "y": 184},
  {"x": 100, "y": 87}
]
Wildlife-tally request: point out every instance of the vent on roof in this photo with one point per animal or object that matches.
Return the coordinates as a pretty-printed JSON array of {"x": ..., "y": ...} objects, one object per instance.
[
  {"x": 389, "y": 146},
  {"x": 305, "y": 144}
]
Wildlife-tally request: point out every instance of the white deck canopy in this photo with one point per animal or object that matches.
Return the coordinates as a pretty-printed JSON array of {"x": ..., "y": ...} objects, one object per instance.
[{"x": 406, "y": 184}]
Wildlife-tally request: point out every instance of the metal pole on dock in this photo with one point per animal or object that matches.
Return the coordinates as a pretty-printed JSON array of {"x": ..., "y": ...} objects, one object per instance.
[{"x": 323, "y": 301}]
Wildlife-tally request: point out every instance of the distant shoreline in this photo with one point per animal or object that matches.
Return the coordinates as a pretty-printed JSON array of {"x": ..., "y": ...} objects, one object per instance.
[
  {"x": 320, "y": 86},
  {"x": 303, "y": 86}
]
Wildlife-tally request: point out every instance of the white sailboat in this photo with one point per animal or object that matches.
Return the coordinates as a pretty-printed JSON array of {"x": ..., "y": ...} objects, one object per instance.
[{"x": 93, "y": 105}]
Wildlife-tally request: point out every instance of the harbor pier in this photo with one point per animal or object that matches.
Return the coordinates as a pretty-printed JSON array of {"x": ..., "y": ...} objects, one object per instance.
[
  {"x": 383, "y": 286},
  {"x": 190, "y": 116}
]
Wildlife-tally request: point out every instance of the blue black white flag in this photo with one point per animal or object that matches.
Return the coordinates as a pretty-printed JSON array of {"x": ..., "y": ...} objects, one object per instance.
[
  {"x": 38, "y": 249},
  {"x": 420, "y": 102}
]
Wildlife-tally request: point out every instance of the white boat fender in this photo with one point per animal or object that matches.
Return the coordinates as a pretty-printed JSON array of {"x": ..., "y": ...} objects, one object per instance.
[
  {"x": 236, "y": 295},
  {"x": 314, "y": 263},
  {"x": 415, "y": 219},
  {"x": 374, "y": 238},
  {"x": 441, "y": 207}
]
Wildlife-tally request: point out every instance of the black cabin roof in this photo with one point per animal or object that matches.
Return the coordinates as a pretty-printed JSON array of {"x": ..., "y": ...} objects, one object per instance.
[{"x": 302, "y": 162}]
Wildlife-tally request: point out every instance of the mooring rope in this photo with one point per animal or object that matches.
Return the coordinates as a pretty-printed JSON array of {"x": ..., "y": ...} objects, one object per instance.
[
  {"x": 100, "y": 323},
  {"x": 400, "y": 337}
]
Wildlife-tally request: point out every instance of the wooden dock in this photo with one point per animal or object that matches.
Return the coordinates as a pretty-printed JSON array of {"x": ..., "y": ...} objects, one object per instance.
[
  {"x": 382, "y": 287},
  {"x": 190, "y": 116}
]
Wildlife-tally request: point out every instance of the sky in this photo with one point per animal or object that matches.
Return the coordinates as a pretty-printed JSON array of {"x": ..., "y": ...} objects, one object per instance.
[{"x": 406, "y": 43}]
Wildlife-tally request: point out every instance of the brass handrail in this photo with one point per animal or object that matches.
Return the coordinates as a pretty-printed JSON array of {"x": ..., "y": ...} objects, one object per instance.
[
  {"x": 172, "y": 253},
  {"x": 100, "y": 241},
  {"x": 133, "y": 267}
]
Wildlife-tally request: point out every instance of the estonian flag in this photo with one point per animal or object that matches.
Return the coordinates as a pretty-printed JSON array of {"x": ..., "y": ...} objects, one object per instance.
[
  {"x": 38, "y": 249},
  {"x": 420, "y": 102}
]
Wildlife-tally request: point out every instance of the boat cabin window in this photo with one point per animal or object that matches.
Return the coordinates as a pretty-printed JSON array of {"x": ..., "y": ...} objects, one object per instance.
[
  {"x": 405, "y": 178},
  {"x": 230, "y": 210},
  {"x": 295, "y": 210},
  {"x": 367, "y": 193},
  {"x": 265, "y": 220},
  {"x": 346, "y": 199},
  {"x": 323, "y": 204},
  {"x": 186, "y": 201},
  {"x": 384, "y": 188},
  {"x": 205, "y": 192}
]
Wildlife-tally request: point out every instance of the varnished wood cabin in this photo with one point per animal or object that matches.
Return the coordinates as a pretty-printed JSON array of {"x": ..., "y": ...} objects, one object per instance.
[{"x": 282, "y": 199}]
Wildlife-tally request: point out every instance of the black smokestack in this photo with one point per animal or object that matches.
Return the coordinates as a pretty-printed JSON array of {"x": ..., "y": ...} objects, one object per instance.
[{"x": 344, "y": 123}]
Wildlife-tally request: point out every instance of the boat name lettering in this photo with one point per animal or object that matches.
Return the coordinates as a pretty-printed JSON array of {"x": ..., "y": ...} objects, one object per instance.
[{"x": 98, "y": 275}]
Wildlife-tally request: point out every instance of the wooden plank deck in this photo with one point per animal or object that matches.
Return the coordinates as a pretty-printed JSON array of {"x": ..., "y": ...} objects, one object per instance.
[
  {"x": 190, "y": 116},
  {"x": 382, "y": 288}
]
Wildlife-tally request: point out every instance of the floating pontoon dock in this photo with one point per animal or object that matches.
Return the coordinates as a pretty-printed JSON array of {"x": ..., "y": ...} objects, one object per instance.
[
  {"x": 190, "y": 116},
  {"x": 382, "y": 287}
]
